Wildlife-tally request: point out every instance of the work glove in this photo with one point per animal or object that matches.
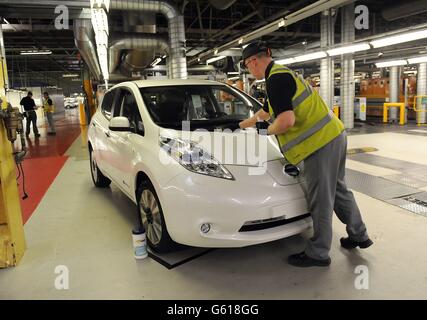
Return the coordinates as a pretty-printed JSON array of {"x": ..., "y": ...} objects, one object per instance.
[{"x": 261, "y": 127}]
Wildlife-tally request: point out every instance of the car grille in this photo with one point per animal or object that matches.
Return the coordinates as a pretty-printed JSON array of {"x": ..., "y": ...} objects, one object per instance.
[{"x": 270, "y": 223}]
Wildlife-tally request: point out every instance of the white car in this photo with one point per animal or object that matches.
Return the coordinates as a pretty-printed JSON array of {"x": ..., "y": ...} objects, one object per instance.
[{"x": 183, "y": 193}]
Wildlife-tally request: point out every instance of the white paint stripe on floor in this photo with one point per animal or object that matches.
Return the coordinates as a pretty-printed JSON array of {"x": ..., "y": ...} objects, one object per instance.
[{"x": 369, "y": 168}]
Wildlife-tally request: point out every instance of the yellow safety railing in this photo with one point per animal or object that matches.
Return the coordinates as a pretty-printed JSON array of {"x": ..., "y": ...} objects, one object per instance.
[
  {"x": 419, "y": 110},
  {"x": 401, "y": 105}
]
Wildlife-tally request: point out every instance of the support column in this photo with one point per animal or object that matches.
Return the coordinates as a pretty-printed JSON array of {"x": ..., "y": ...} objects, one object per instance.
[
  {"x": 12, "y": 239},
  {"x": 327, "y": 64},
  {"x": 347, "y": 68},
  {"x": 394, "y": 92},
  {"x": 421, "y": 91}
]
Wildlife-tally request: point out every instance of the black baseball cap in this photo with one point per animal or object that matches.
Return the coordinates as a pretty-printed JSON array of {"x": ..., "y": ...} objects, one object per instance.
[{"x": 254, "y": 48}]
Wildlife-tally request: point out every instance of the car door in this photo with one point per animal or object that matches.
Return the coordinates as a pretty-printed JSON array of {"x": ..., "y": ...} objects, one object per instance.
[
  {"x": 123, "y": 143},
  {"x": 102, "y": 134}
]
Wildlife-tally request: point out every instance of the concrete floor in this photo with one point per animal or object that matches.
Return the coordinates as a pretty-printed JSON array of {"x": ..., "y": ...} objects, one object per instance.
[{"x": 89, "y": 231}]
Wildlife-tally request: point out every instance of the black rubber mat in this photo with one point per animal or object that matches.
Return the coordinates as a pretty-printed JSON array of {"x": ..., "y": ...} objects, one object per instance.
[{"x": 180, "y": 256}]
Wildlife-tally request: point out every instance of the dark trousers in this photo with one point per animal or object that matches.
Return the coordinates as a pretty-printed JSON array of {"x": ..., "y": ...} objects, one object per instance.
[{"x": 31, "y": 118}]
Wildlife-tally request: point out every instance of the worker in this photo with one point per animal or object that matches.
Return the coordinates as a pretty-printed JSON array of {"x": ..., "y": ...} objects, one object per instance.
[
  {"x": 307, "y": 130},
  {"x": 30, "y": 113},
  {"x": 49, "y": 109}
]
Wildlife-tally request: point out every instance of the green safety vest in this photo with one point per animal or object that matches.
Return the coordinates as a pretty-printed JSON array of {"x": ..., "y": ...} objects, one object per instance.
[
  {"x": 315, "y": 124},
  {"x": 47, "y": 107}
]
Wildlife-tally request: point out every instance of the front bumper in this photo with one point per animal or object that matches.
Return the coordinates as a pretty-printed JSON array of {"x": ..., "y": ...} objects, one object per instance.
[{"x": 190, "y": 200}]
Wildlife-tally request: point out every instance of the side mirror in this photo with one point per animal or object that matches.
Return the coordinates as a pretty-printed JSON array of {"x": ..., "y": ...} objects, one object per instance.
[{"x": 119, "y": 124}]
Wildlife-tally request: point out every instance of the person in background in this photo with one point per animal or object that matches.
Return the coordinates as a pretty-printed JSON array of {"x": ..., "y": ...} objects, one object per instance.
[
  {"x": 49, "y": 109},
  {"x": 30, "y": 113}
]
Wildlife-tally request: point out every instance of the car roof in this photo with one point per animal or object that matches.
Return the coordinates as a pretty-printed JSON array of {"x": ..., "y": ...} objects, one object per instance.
[{"x": 173, "y": 82}]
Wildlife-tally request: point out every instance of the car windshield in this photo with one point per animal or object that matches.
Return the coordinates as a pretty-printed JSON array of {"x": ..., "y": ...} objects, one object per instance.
[{"x": 204, "y": 106}]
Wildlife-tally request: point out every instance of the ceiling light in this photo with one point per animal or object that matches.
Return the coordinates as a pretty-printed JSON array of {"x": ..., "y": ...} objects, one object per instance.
[
  {"x": 401, "y": 38},
  {"x": 286, "y": 61},
  {"x": 304, "y": 57},
  {"x": 349, "y": 49},
  {"x": 417, "y": 60},
  {"x": 311, "y": 56},
  {"x": 233, "y": 72},
  {"x": 215, "y": 59},
  {"x": 70, "y": 75},
  {"x": 393, "y": 63},
  {"x": 281, "y": 23},
  {"x": 156, "y": 62},
  {"x": 233, "y": 78},
  {"x": 35, "y": 52}
]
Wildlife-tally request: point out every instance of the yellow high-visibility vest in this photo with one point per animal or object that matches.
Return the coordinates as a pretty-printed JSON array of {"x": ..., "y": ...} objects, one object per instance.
[
  {"x": 315, "y": 124},
  {"x": 47, "y": 107}
]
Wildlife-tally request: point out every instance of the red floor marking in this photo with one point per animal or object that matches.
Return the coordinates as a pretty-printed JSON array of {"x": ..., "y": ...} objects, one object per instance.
[{"x": 45, "y": 159}]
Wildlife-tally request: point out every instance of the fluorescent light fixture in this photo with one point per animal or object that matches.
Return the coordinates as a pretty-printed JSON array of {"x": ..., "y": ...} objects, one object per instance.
[
  {"x": 401, "y": 38},
  {"x": 215, "y": 59},
  {"x": 417, "y": 60},
  {"x": 281, "y": 23},
  {"x": 35, "y": 52},
  {"x": 70, "y": 75},
  {"x": 233, "y": 78},
  {"x": 311, "y": 56},
  {"x": 286, "y": 61},
  {"x": 304, "y": 57},
  {"x": 349, "y": 49},
  {"x": 392, "y": 63},
  {"x": 233, "y": 72},
  {"x": 410, "y": 72},
  {"x": 156, "y": 62}
]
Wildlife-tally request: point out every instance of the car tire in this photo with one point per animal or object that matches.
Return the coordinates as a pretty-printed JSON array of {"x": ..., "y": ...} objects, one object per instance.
[
  {"x": 99, "y": 180},
  {"x": 151, "y": 216}
]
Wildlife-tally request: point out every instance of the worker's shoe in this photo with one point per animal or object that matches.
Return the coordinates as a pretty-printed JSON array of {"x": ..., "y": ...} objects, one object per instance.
[
  {"x": 304, "y": 261},
  {"x": 349, "y": 244}
]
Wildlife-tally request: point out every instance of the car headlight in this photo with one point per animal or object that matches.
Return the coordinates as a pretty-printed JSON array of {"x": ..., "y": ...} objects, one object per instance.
[{"x": 193, "y": 158}]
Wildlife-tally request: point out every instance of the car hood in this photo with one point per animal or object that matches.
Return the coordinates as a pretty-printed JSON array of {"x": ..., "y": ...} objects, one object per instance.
[{"x": 242, "y": 147}]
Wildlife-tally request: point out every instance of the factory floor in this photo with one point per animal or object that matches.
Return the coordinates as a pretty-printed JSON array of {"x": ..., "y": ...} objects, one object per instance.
[{"x": 88, "y": 230}]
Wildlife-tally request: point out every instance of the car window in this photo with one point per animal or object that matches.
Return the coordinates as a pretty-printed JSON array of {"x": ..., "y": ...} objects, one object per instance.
[
  {"x": 127, "y": 106},
  {"x": 170, "y": 105},
  {"x": 107, "y": 103}
]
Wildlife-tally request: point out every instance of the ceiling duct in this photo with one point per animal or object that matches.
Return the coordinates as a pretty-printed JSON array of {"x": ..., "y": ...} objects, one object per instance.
[
  {"x": 84, "y": 40},
  {"x": 221, "y": 4},
  {"x": 135, "y": 52},
  {"x": 178, "y": 62}
]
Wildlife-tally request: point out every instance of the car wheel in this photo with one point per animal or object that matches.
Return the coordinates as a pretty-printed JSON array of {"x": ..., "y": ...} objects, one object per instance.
[
  {"x": 99, "y": 180},
  {"x": 151, "y": 215}
]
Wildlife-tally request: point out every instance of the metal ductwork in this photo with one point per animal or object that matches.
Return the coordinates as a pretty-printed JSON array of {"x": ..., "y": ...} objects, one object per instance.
[
  {"x": 221, "y": 4},
  {"x": 84, "y": 40},
  {"x": 177, "y": 58},
  {"x": 404, "y": 10},
  {"x": 141, "y": 51}
]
